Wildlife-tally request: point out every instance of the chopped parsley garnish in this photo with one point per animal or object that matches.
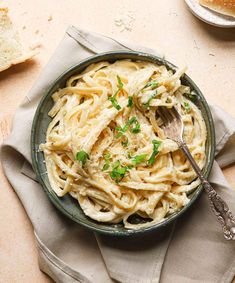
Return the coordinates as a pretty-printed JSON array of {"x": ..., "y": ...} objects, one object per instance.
[
  {"x": 122, "y": 130},
  {"x": 114, "y": 102},
  {"x": 107, "y": 163},
  {"x": 129, "y": 155},
  {"x": 105, "y": 167},
  {"x": 113, "y": 98},
  {"x": 152, "y": 84},
  {"x": 136, "y": 129},
  {"x": 120, "y": 83},
  {"x": 116, "y": 164},
  {"x": 125, "y": 143},
  {"x": 130, "y": 101},
  {"x": 129, "y": 166},
  {"x": 187, "y": 107},
  {"x": 191, "y": 95},
  {"x": 118, "y": 172},
  {"x": 132, "y": 120},
  {"x": 156, "y": 145},
  {"x": 147, "y": 104},
  {"x": 82, "y": 156},
  {"x": 139, "y": 159}
]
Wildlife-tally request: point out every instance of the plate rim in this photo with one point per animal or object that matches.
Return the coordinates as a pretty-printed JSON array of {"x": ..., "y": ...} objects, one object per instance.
[{"x": 205, "y": 19}]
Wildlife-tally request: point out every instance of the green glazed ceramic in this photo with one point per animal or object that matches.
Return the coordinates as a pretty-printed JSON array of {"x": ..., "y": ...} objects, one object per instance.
[{"x": 69, "y": 206}]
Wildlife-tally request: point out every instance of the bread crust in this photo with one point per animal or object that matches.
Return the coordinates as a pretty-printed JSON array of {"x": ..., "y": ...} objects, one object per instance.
[
  {"x": 225, "y": 7},
  {"x": 12, "y": 51}
]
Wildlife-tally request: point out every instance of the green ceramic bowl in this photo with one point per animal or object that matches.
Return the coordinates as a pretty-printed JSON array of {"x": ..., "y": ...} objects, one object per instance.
[{"x": 69, "y": 206}]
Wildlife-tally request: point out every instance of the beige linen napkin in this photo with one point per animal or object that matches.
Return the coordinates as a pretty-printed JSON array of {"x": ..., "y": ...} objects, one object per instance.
[{"x": 190, "y": 250}]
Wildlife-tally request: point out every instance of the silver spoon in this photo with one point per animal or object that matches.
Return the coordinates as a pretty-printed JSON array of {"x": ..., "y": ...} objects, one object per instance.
[{"x": 173, "y": 128}]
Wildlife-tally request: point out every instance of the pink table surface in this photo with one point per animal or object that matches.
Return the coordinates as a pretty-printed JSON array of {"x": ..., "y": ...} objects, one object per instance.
[{"x": 167, "y": 26}]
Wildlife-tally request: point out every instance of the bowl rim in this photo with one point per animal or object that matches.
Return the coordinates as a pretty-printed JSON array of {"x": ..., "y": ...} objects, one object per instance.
[{"x": 143, "y": 56}]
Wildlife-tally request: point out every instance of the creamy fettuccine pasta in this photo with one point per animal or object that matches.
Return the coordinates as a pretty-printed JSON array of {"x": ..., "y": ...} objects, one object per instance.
[{"x": 105, "y": 146}]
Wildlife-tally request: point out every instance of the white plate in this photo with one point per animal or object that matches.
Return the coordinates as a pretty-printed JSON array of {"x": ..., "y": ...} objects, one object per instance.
[{"x": 210, "y": 16}]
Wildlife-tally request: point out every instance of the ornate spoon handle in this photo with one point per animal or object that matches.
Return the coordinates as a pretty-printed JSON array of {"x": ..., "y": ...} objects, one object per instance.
[{"x": 217, "y": 204}]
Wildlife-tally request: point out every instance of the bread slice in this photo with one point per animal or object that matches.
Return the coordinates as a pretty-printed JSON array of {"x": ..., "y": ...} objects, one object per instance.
[
  {"x": 12, "y": 50},
  {"x": 226, "y": 7}
]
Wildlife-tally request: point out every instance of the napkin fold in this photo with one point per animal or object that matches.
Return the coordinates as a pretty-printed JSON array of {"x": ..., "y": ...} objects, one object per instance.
[{"x": 190, "y": 250}]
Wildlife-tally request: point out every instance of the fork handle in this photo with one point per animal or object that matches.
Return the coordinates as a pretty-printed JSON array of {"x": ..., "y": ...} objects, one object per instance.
[{"x": 217, "y": 204}]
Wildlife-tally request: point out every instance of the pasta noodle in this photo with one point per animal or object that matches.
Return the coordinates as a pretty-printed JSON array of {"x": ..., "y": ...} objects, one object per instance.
[{"x": 105, "y": 146}]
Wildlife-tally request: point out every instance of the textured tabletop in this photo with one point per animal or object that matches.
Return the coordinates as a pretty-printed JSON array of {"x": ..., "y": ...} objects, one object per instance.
[{"x": 167, "y": 26}]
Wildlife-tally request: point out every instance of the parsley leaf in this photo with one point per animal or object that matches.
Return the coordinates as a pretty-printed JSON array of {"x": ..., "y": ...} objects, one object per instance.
[
  {"x": 187, "y": 107},
  {"x": 82, "y": 156},
  {"x": 129, "y": 166},
  {"x": 114, "y": 102},
  {"x": 156, "y": 145},
  {"x": 129, "y": 155},
  {"x": 120, "y": 83},
  {"x": 107, "y": 163},
  {"x": 152, "y": 84},
  {"x": 105, "y": 167},
  {"x": 147, "y": 104},
  {"x": 132, "y": 120},
  {"x": 191, "y": 95},
  {"x": 113, "y": 98},
  {"x": 136, "y": 129},
  {"x": 125, "y": 143},
  {"x": 118, "y": 172},
  {"x": 139, "y": 159},
  {"x": 116, "y": 164},
  {"x": 107, "y": 156},
  {"x": 130, "y": 101},
  {"x": 121, "y": 130}
]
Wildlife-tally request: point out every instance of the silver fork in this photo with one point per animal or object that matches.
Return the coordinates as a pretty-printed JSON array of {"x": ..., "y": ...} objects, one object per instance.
[{"x": 173, "y": 128}]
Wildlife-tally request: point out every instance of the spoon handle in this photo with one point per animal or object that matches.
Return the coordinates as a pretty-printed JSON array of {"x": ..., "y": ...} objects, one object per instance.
[{"x": 217, "y": 204}]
